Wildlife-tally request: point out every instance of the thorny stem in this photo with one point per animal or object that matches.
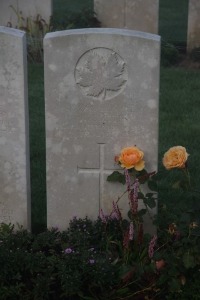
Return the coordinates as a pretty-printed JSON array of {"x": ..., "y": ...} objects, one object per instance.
[
  {"x": 139, "y": 292},
  {"x": 121, "y": 196},
  {"x": 161, "y": 246},
  {"x": 149, "y": 175},
  {"x": 150, "y": 216}
]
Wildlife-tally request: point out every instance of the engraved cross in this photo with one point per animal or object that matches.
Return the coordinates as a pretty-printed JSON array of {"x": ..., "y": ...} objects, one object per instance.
[{"x": 101, "y": 171}]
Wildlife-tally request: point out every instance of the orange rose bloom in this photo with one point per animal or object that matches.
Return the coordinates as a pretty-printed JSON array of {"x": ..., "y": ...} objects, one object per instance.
[
  {"x": 131, "y": 157},
  {"x": 175, "y": 157}
]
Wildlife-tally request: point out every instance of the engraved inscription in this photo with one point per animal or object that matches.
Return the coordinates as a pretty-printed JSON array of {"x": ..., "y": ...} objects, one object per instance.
[
  {"x": 101, "y": 74},
  {"x": 102, "y": 121}
]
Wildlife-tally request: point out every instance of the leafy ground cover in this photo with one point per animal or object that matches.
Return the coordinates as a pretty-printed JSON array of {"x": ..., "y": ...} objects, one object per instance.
[{"x": 111, "y": 257}]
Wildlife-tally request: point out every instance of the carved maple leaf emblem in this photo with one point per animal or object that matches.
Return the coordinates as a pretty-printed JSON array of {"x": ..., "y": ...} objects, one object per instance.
[{"x": 101, "y": 74}]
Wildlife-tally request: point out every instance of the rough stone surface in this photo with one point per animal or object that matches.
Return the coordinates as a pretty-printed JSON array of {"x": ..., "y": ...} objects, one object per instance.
[
  {"x": 139, "y": 15},
  {"x": 28, "y": 8},
  {"x": 193, "y": 34},
  {"x": 101, "y": 94},
  {"x": 14, "y": 144}
]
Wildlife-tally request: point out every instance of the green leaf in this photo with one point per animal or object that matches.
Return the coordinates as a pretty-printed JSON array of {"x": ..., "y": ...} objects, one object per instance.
[
  {"x": 142, "y": 176},
  {"x": 188, "y": 260},
  {"x": 152, "y": 185},
  {"x": 175, "y": 284},
  {"x": 116, "y": 177},
  {"x": 149, "y": 195},
  {"x": 142, "y": 212},
  {"x": 176, "y": 185},
  {"x": 150, "y": 202},
  {"x": 140, "y": 195}
]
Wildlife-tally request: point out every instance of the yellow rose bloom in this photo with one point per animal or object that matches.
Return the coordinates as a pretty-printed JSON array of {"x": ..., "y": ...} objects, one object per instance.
[
  {"x": 132, "y": 157},
  {"x": 175, "y": 157}
]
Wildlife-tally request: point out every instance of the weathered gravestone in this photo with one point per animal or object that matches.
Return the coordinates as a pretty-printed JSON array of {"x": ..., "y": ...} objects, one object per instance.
[
  {"x": 139, "y": 15},
  {"x": 193, "y": 34},
  {"x": 12, "y": 10},
  {"x": 101, "y": 89},
  {"x": 14, "y": 154}
]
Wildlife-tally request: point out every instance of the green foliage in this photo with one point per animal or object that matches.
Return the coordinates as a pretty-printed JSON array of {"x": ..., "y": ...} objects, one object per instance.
[
  {"x": 111, "y": 257},
  {"x": 36, "y": 28},
  {"x": 170, "y": 260},
  {"x": 56, "y": 265},
  {"x": 116, "y": 177},
  {"x": 169, "y": 54},
  {"x": 73, "y": 20}
]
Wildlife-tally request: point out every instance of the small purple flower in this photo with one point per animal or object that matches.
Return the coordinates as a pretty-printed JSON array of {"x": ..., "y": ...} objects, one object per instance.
[
  {"x": 91, "y": 261},
  {"x": 68, "y": 251},
  {"x": 131, "y": 231},
  {"x": 115, "y": 214},
  {"x": 133, "y": 196},
  {"x": 128, "y": 179},
  {"x": 102, "y": 216},
  {"x": 152, "y": 246}
]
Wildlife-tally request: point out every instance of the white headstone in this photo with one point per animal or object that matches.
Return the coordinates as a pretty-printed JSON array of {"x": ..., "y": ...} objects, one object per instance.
[
  {"x": 193, "y": 34},
  {"x": 101, "y": 91},
  {"x": 14, "y": 142},
  {"x": 10, "y": 10},
  {"x": 139, "y": 15}
]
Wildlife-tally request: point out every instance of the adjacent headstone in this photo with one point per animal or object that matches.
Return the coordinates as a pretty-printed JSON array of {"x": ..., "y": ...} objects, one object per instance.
[
  {"x": 139, "y": 15},
  {"x": 193, "y": 34},
  {"x": 14, "y": 143},
  {"x": 11, "y": 11},
  {"x": 101, "y": 91}
]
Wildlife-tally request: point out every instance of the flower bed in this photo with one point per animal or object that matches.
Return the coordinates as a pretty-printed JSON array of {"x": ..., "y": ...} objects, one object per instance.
[{"x": 111, "y": 257}]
